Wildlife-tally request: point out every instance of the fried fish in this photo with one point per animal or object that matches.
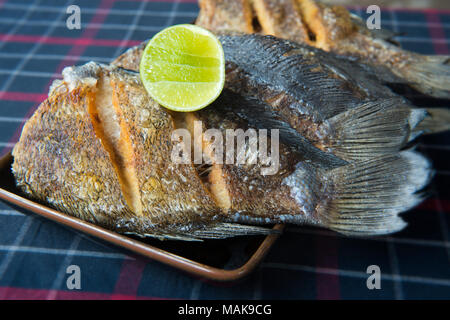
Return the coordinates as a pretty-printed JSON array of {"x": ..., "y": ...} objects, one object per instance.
[
  {"x": 100, "y": 148},
  {"x": 334, "y": 28},
  {"x": 334, "y": 103}
]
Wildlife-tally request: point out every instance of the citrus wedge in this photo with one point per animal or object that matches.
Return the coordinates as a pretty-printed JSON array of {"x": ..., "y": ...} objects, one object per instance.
[{"x": 183, "y": 67}]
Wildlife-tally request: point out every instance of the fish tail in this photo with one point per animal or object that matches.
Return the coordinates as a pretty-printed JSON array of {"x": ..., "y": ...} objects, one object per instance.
[
  {"x": 438, "y": 120},
  {"x": 372, "y": 129},
  {"x": 430, "y": 75},
  {"x": 365, "y": 198}
]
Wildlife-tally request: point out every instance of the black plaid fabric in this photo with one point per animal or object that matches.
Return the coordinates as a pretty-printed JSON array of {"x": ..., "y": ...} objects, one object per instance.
[{"x": 305, "y": 263}]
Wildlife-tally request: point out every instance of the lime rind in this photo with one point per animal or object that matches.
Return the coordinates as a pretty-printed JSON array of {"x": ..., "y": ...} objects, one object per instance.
[
  {"x": 196, "y": 99},
  {"x": 183, "y": 68}
]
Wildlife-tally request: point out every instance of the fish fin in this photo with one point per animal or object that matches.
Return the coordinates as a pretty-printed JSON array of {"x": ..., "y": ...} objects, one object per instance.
[
  {"x": 372, "y": 129},
  {"x": 220, "y": 230},
  {"x": 162, "y": 236},
  {"x": 366, "y": 197},
  {"x": 438, "y": 120},
  {"x": 430, "y": 75},
  {"x": 225, "y": 230}
]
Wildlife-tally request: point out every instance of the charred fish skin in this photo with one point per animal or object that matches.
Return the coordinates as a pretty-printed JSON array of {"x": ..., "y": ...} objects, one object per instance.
[
  {"x": 53, "y": 163},
  {"x": 260, "y": 115},
  {"x": 315, "y": 93},
  {"x": 109, "y": 166},
  {"x": 275, "y": 66}
]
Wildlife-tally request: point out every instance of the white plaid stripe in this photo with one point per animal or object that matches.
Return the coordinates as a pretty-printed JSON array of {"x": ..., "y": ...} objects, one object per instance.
[
  {"x": 355, "y": 274},
  {"x": 119, "y": 12},
  {"x": 20, "y": 237},
  {"x": 131, "y": 29},
  {"x": 35, "y": 47}
]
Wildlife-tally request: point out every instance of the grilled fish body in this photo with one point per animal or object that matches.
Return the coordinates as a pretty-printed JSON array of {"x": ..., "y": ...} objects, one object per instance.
[
  {"x": 237, "y": 15},
  {"x": 334, "y": 103},
  {"x": 79, "y": 154},
  {"x": 100, "y": 149},
  {"x": 333, "y": 28}
]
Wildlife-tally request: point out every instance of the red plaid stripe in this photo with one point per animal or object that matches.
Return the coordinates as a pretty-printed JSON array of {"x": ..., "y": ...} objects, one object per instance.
[
  {"x": 82, "y": 42},
  {"x": 437, "y": 33}
]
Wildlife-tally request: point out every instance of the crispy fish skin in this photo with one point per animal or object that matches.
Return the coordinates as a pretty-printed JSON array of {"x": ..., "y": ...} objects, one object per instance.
[
  {"x": 281, "y": 18},
  {"x": 54, "y": 164},
  {"x": 250, "y": 196},
  {"x": 84, "y": 159},
  {"x": 338, "y": 31},
  {"x": 225, "y": 15},
  {"x": 318, "y": 95},
  {"x": 131, "y": 58}
]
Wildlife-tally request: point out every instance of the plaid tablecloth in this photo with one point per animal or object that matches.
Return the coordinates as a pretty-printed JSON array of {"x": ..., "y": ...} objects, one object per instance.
[{"x": 311, "y": 263}]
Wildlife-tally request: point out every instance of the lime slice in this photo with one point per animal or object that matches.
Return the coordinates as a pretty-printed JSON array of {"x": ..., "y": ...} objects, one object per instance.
[{"x": 183, "y": 67}]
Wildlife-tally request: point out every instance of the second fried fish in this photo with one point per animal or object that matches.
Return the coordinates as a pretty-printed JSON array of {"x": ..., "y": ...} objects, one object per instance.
[{"x": 335, "y": 104}]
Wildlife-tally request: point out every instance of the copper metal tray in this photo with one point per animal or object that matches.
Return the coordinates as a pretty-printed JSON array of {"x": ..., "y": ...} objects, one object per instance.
[{"x": 222, "y": 260}]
